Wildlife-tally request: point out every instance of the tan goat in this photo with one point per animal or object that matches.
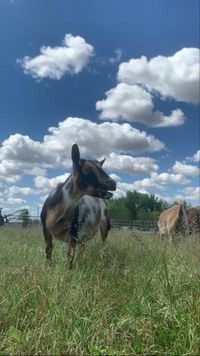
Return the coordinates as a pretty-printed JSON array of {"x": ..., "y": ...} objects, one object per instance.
[{"x": 173, "y": 220}]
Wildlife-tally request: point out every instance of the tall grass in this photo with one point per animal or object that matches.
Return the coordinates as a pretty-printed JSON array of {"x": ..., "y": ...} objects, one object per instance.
[{"x": 140, "y": 295}]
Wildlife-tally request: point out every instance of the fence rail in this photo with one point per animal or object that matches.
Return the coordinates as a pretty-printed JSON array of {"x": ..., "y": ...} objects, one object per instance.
[{"x": 144, "y": 225}]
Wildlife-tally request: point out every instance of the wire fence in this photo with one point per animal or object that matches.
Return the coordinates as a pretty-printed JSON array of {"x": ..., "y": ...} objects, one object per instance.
[
  {"x": 22, "y": 217},
  {"x": 141, "y": 225}
]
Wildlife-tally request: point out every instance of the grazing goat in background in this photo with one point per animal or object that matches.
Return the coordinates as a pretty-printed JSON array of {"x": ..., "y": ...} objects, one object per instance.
[
  {"x": 75, "y": 209},
  {"x": 173, "y": 220},
  {"x": 193, "y": 215}
]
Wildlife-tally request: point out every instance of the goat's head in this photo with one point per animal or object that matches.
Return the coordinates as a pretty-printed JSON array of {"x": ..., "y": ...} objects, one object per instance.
[{"x": 89, "y": 178}]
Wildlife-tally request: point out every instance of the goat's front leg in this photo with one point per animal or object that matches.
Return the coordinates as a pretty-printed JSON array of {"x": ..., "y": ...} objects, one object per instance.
[
  {"x": 80, "y": 250},
  {"x": 48, "y": 243},
  {"x": 73, "y": 233},
  {"x": 104, "y": 233},
  {"x": 71, "y": 251}
]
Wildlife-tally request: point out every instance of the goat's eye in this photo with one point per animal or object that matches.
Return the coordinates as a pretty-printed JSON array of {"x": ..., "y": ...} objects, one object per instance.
[
  {"x": 90, "y": 177},
  {"x": 91, "y": 180},
  {"x": 86, "y": 180}
]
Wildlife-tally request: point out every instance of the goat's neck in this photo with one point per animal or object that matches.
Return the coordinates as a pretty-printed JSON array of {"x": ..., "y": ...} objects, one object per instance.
[{"x": 70, "y": 197}]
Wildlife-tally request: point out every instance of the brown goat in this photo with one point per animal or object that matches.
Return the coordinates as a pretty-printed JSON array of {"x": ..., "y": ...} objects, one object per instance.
[
  {"x": 193, "y": 215},
  {"x": 76, "y": 208}
]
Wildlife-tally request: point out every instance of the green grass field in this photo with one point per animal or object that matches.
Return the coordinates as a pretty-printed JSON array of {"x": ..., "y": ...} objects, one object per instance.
[{"x": 140, "y": 295}]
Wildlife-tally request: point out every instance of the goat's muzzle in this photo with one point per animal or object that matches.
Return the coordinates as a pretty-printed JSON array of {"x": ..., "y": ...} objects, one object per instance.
[{"x": 103, "y": 190}]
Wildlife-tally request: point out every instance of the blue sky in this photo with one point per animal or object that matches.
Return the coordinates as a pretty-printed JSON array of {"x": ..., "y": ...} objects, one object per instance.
[{"x": 120, "y": 78}]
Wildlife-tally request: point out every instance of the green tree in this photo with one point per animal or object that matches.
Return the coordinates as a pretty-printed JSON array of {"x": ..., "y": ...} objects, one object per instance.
[
  {"x": 118, "y": 209},
  {"x": 132, "y": 203},
  {"x": 135, "y": 206}
]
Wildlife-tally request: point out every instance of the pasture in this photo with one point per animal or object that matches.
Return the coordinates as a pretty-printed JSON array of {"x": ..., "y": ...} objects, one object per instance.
[{"x": 139, "y": 295}]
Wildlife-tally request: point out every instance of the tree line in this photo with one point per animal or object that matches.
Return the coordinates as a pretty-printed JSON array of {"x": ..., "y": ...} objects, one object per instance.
[{"x": 137, "y": 206}]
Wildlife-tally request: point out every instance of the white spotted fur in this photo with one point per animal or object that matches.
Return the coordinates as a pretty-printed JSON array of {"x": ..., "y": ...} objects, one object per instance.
[{"x": 93, "y": 212}]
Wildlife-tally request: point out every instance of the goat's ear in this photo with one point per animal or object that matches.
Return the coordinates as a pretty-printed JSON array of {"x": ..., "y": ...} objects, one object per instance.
[
  {"x": 102, "y": 162},
  {"x": 75, "y": 158},
  {"x": 75, "y": 154}
]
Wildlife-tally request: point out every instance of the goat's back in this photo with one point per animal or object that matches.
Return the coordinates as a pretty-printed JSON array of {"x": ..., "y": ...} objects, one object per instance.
[{"x": 169, "y": 217}]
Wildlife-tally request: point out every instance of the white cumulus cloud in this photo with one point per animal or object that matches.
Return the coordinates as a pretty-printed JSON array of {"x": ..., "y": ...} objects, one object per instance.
[
  {"x": 192, "y": 193},
  {"x": 185, "y": 169},
  {"x": 15, "y": 201},
  {"x": 99, "y": 139},
  {"x": 160, "y": 181},
  {"x": 156, "y": 181},
  {"x": 195, "y": 157},
  {"x": 15, "y": 190},
  {"x": 136, "y": 165},
  {"x": 55, "y": 62},
  {"x": 169, "y": 178},
  {"x": 115, "y": 177},
  {"x": 45, "y": 184},
  {"x": 135, "y": 104},
  {"x": 21, "y": 155},
  {"x": 175, "y": 76}
]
